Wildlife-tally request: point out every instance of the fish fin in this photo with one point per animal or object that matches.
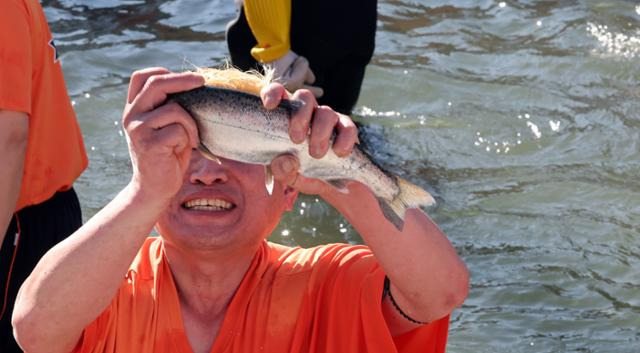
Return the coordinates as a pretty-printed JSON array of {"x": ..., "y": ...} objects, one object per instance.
[
  {"x": 390, "y": 214},
  {"x": 410, "y": 196},
  {"x": 340, "y": 185},
  {"x": 207, "y": 154},
  {"x": 268, "y": 179}
]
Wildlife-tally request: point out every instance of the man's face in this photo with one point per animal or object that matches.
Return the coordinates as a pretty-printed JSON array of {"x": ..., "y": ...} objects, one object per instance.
[{"x": 223, "y": 205}]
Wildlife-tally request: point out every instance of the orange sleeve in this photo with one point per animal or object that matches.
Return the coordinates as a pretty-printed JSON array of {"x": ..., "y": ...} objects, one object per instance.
[
  {"x": 353, "y": 272},
  {"x": 15, "y": 57}
]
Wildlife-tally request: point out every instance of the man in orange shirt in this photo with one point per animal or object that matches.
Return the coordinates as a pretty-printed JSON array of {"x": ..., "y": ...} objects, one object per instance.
[
  {"x": 211, "y": 282},
  {"x": 42, "y": 152}
]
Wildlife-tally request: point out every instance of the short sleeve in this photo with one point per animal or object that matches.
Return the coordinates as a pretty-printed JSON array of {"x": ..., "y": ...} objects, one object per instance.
[
  {"x": 349, "y": 301},
  {"x": 15, "y": 57}
]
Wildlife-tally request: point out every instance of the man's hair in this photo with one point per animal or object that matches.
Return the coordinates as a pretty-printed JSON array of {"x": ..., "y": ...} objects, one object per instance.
[{"x": 232, "y": 78}]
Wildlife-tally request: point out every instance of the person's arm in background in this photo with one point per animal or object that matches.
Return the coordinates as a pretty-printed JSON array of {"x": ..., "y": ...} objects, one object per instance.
[
  {"x": 15, "y": 105},
  {"x": 270, "y": 23},
  {"x": 14, "y": 131}
]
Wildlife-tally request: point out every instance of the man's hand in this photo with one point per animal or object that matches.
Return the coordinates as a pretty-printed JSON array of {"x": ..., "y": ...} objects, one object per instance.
[
  {"x": 294, "y": 73},
  {"x": 318, "y": 123},
  {"x": 160, "y": 136}
]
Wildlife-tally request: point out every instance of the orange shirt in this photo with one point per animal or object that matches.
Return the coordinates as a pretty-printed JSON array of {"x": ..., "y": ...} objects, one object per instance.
[
  {"x": 324, "y": 299},
  {"x": 31, "y": 81}
]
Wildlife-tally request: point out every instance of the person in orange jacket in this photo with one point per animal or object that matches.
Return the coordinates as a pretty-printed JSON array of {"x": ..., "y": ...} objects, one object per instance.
[
  {"x": 42, "y": 151},
  {"x": 210, "y": 282},
  {"x": 323, "y": 46}
]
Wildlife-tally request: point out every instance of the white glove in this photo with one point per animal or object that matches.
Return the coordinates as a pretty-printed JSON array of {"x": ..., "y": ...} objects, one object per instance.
[{"x": 294, "y": 73}]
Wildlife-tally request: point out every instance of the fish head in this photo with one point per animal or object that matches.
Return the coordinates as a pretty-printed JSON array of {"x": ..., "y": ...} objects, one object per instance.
[{"x": 223, "y": 203}]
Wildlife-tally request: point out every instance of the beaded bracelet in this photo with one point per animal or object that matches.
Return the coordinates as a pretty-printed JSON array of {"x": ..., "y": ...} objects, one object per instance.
[{"x": 387, "y": 290}]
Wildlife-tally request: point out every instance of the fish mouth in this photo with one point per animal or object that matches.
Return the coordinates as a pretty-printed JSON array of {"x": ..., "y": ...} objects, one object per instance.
[{"x": 208, "y": 204}]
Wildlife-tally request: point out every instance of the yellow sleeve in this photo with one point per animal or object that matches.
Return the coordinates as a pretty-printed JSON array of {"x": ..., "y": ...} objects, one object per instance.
[{"x": 269, "y": 21}]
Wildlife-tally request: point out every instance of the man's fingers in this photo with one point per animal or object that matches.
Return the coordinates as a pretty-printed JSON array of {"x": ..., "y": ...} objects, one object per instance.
[
  {"x": 157, "y": 87},
  {"x": 285, "y": 168},
  {"x": 323, "y": 124},
  {"x": 167, "y": 115},
  {"x": 272, "y": 94},
  {"x": 346, "y": 137},
  {"x": 139, "y": 78},
  {"x": 301, "y": 119}
]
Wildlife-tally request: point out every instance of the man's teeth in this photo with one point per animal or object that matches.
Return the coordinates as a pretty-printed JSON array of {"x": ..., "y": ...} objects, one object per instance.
[{"x": 208, "y": 205}]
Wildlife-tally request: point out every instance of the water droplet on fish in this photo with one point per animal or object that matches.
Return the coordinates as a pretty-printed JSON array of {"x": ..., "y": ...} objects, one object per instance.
[
  {"x": 87, "y": 95},
  {"x": 285, "y": 233},
  {"x": 555, "y": 125},
  {"x": 527, "y": 116},
  {"x": 539, "y": 23},
  {"x": 93, "y": 148},
  {"x": 449, "y": 104},
  {"x": 502, "y": 4},
  {"x": 303, "y": 204},
  {"x": 73, "y": 103},
  {"x": 115, "y": 123}
]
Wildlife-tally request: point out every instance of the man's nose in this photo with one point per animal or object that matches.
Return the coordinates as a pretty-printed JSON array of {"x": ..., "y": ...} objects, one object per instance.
[{"x": 207, "y": 172}]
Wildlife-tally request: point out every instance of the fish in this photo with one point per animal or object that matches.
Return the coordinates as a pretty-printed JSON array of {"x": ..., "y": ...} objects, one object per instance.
[{"x": 235, "y": 125}]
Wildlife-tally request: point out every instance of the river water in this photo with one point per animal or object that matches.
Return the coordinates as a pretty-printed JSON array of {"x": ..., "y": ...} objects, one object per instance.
[{"x": 521, "y": 117}]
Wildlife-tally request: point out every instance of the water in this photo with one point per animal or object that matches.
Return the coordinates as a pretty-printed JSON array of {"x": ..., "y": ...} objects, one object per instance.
[{"x": 522, "y": 118}]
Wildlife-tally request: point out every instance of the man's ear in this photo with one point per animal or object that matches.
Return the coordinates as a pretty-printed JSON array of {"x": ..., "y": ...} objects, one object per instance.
[{"x": 290, "y": 196}]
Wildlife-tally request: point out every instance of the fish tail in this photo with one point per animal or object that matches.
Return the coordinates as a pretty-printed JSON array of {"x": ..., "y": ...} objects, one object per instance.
[{"x": 410, "y": 196}]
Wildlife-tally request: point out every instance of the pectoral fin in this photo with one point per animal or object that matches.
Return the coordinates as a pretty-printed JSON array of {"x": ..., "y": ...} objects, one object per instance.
[
  {"x": 340, "y": 185},
  {"x": 268, "y": 179},
  {"x": 207, "y": 154}
]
